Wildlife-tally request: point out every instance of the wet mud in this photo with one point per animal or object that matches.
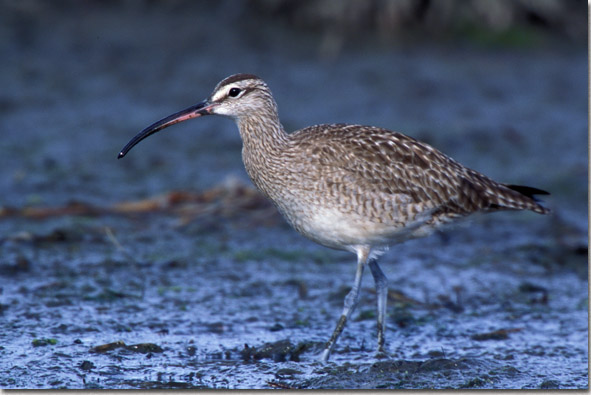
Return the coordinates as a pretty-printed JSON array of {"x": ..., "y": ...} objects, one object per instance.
[{"x": 166, "y": 270}]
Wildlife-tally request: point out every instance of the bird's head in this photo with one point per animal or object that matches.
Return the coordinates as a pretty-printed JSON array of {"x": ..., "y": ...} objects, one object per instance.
[{"x": 238, "y": 96}]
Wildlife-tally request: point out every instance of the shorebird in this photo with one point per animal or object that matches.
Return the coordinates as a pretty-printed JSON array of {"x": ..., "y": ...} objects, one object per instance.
[{"x": 350, "y": 187}]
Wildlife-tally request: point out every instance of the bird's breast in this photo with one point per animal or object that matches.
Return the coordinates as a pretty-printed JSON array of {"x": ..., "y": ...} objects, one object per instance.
[{"x": 330, "y": 208}]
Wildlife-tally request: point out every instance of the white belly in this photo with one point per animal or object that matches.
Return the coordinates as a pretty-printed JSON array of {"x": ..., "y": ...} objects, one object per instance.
[{"x": 332, "y": 228}]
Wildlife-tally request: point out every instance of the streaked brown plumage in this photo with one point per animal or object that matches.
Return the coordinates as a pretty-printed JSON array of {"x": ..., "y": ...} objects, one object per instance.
[{"x": 350, "y": 187}]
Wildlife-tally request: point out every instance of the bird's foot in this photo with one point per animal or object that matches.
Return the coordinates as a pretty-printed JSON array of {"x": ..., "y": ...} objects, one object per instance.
[
  {"x": 381, "y": 354},
  {"x": 325, "y": 355}
]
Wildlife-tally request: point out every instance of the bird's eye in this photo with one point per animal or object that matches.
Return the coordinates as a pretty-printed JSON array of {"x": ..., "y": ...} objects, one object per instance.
[{"x": 234, "y": 92}]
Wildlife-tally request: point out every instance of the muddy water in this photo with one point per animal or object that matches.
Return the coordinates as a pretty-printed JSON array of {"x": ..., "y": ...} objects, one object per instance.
[{"x": 220, "y": 294}]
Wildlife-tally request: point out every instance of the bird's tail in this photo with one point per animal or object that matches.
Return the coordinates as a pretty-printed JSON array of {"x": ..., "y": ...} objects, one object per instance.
[{"x": 520, "y": 197}]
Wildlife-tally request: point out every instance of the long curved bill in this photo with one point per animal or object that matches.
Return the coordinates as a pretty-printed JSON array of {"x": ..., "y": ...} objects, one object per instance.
[{"x": 200, "y": 109}]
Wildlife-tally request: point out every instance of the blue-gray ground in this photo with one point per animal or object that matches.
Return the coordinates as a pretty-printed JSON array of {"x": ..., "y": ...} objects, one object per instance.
[{"x": 498, "y": 302}]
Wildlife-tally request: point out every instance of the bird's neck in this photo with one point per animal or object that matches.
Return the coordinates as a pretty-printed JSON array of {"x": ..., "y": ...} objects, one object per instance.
[
  {"x": 262, "y": 134},
  {"x": 264, "y": 142}
]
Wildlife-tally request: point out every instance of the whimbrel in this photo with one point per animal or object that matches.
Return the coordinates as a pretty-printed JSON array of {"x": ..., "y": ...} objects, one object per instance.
[{"x": 350, "y": 187}]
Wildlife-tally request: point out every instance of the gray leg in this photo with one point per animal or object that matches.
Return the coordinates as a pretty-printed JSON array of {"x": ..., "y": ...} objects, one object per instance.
[
  {"x": 350, "y": 303},
  {"x": 382, "y": 295}
]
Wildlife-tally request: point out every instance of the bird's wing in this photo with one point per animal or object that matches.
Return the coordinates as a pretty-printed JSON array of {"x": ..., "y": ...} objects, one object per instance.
[
  {"x": 378, "y": 160},
  {"x": 391, "y": 165}
]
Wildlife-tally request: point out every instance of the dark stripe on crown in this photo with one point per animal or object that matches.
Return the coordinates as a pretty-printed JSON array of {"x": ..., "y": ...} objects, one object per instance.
[{"x": 238, "y": 77}]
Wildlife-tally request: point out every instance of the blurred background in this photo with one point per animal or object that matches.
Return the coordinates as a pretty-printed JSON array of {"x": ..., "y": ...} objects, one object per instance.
[
  {"x": 475, "y": 78},
  {"x": 501, "y": 86}
]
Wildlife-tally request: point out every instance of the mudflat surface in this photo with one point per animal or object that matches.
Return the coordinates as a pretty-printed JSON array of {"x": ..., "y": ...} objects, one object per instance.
[{"x": 167, "y": 270}]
